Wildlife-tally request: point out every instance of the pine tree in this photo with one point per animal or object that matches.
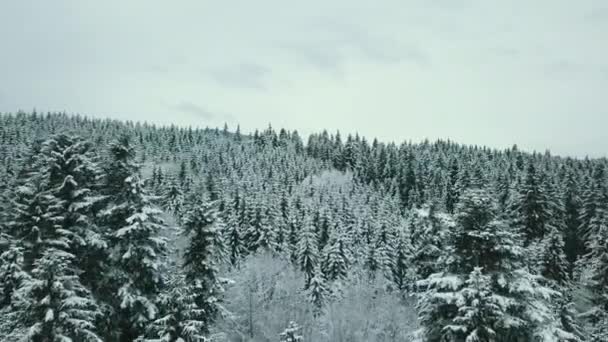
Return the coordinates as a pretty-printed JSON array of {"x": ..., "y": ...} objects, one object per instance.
[
  {"x": 180, "y": 317},
  {"x": 554, "y": 265},
  {"x": 200, "y": 261},
  {"x": 569, "y": 319},
  {"x": 55, "y": 304},
  {"x": 183, "y": 173},
  {"x": 259, "y": 234},
  {"x": 530, "y": 209},
  {"x": 451, "y": 197},
  {"x": 27, "y": 219},
  {"x": 574, "y": 243},
  {"x": 384, "y": 249},
  {"x": 337, "y": 259},
  {"x": 595, "y": 201},
  {"x": 12, "y": 274},
  {"x": 71, "y": 174},
  {"x": 172, "y": 199},
  {"x": 598, "y": 282},
  {"x": 479, "y": 310},
  {"x": 133, "y": 225},
  {"x": 317, "y": 291},
  {"x": 371, "y": 263},
  {"x": 428, "y": 237},
  {"x": 233, "y": 237},
  {"x": 401, "y": 264},
  {"x": 307, "y": 251},
  {"x": 291, "y": 333},
  {"x": 479, "y": 240}
]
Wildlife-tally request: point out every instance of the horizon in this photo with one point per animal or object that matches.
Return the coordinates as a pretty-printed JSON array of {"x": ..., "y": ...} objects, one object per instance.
[{"x": 305, "y": 135}]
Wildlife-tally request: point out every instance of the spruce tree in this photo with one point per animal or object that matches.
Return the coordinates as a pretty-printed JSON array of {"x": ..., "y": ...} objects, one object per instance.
[
  {"x": 598, "y": 283},
  {"x": 71, "y": 174},
  {"x": 317, "y": 291},
  {"x": 574, "y": 242},
  {"x": 554, "y": 265},
  {"x": 479, "y": 310},
  {"x": 27, "y": 219},
  {"x": 291, "y": 333},
  {"x": 172, "y": 199},
  {"x": 401, "y": 264},
  {"x": 233, "y": 240},
  {"x": 595, "y": 201},
  {"x": 55, "y": 305},
  {"x": 451, "y": 196},
  {"x": 12, "y": 274},
  {"x": 200, "y": 261},
  {"x": 428, "y": 236},
  {"x": 530, "y": 209},
  {"x": 307, "y": 251},
  {"x": 132, "y": 226},
  {"x": 337, "y": 259},
  {"x": 479, "y": 240},
  {"x": 180, "y": 317}
]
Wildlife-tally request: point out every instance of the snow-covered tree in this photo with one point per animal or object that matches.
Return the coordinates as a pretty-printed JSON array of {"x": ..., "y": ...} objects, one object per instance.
[
  {"x": 291, "y": 333},
  {"x": 597, "y": 260},
  {"x": 132, "y": 226},
  {"x": 479, "y": 310},
  {"x": 55, "y": 305},
  {"x": 307, "y": 252},
  {"x": 172, "y": 199},
  {"x": 200, "y": 261},
  {"x": 479, "y": 240},
  {"x": 235, "y": 247},
  {"x": 337, "y": 259},
  {"x": 317, "y": 291},
  {"x": 12, "y": 274},
  {"x": 554, "y": 265},
  {"x": 530, "y": 207},
  {"x": 428, "y": 236},
  {"x": 180, "y": 317},
  {"x": 402, "y": 268}
]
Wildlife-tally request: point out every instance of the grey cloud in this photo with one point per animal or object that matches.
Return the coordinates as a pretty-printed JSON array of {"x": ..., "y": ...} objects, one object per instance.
[
  {"x": 330, "y": 45},
  {"x": 191, "y": 108},
  {"x": 246, "y": 75},
  {"x": 321, "y": 56},
  {"x": 157, "y": 69},
  {"x": 597, "y": 15},
  {"x": 216, "y": 117},
  {"x": 505, "y": 51},
  {"x": 564, "y": 69}
]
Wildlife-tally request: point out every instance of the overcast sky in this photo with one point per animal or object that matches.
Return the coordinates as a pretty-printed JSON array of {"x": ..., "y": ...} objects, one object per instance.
[{"x": 481, "y": 72}]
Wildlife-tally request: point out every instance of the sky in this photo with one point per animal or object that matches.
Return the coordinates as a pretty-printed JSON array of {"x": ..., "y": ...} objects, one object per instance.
[{"x": 495, "y": 73}]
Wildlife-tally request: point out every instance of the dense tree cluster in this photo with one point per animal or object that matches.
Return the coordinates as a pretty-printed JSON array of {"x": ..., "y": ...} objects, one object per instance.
[{"x": 135, "y": 240}]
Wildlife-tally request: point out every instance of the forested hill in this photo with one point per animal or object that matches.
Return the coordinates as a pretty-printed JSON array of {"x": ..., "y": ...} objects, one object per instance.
[{"x": 116, "y": 230}]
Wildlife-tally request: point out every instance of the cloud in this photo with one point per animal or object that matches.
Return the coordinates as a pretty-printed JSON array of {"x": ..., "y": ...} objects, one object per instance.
[
  {"x": 508, "y": 52},
  {"x": 328, "y": 45},
  {"x": 246, "y": 75},
  {"x": 597, "y": 15},
  {"x": 191, "y": 108},
  {"x": 157, "y": 69},
  {"x": 212, "y": 117}
]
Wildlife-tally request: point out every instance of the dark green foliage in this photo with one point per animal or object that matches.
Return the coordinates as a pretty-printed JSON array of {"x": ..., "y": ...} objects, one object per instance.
[
  {"x": 132, "y": 226},
  {"x": 269, "y": 187},
  {"x": 55, "y": 306},
  {"x": 200, "y": 262}
]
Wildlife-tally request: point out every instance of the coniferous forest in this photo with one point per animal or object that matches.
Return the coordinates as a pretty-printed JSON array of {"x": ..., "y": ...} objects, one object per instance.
[{"x": 125, "y": 231}]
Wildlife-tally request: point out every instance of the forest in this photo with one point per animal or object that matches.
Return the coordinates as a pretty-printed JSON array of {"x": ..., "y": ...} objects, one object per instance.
[{"x": 129, "y": 231}]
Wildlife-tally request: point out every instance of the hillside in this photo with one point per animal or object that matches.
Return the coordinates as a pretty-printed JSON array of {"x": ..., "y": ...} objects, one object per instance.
[{"x": 172, "y": 232}]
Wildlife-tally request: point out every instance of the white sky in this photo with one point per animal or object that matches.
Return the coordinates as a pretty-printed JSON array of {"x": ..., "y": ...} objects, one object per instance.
[{"x": 491, "y": 73}]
